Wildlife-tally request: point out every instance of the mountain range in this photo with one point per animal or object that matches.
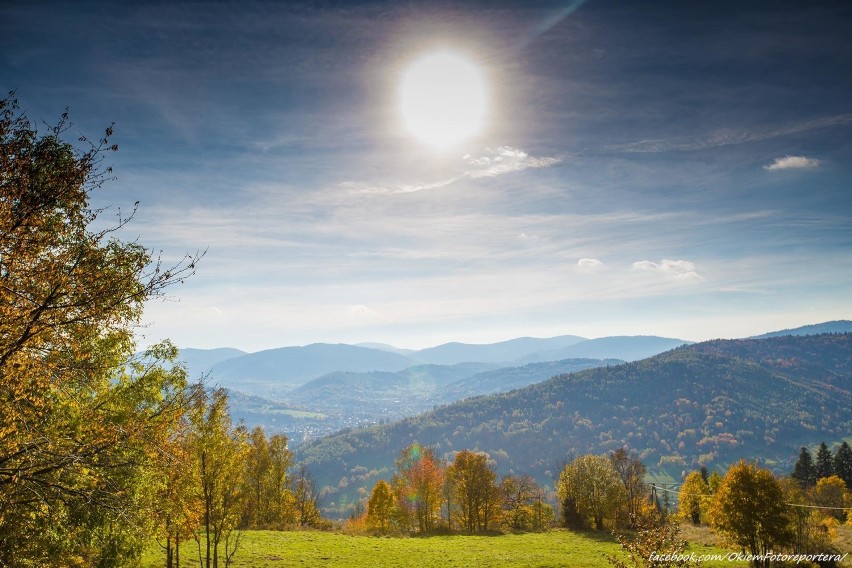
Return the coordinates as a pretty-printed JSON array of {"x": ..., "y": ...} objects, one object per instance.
[
  {"x": 704, "y": 404},
  {"x": 274, "y": 372},
  {"x": 356, "y": 385}
]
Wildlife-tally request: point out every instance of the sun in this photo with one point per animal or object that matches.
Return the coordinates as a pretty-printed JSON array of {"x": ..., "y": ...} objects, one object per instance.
[{"x": 442, "y": 99}]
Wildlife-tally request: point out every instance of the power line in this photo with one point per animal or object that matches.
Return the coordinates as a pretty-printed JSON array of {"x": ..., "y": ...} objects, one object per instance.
[{"x": 791, "y": 504}]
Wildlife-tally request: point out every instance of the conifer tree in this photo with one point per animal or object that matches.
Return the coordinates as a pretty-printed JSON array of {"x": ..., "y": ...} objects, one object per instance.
[
  {"x": 805, "y": 471},
  {"x": 843, "y": 463},
  {"x": 824, "y": 462}
]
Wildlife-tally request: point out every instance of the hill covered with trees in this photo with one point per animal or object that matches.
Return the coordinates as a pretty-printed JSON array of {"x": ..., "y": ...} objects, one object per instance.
[{"x": 707, "y": 404}]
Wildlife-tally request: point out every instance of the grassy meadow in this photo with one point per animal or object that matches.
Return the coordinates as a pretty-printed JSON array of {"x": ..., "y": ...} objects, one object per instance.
[{"x": 272, "y": 549}]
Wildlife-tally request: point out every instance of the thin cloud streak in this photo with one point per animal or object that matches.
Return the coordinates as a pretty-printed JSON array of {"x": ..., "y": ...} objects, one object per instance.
[
  {"x": 495, "y": 162},
  {"x": 727, "y": 137}
]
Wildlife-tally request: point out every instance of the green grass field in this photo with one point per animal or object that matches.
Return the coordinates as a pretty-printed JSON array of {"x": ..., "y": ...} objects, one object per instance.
[{"x": 268, "y": 549}]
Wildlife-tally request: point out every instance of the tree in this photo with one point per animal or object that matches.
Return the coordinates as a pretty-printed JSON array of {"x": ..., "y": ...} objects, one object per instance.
[
  {"x": 805, "y": 470},
  {"x": 843, "y": 463},
  {"x": 749, "y": 509},
  {"x": 380, "y": 506},
  {"x": 632, "y": 471},
  {"x": 81, "y": 421},
  {"x": 417, "y": 486},
  {"x": 714, "y": 481},
  {"x": 256, "y": 512},
  {"x": 824, "y": 462},
  {"x": 475, "y": 491},
  {"x": 655, "y": 542},
  {"x": 830, "y": 492},
  {"x": 281, "y": 500},
  {"x": 220, "y": 451},
  {"x": 305, "y": 498},
  {"x": 590, "y": 488},
  {"x": 693, "y": 498},
  {"x": 523, "y": 504},
  {"x": 178, "y": 512},
  {"x": 811, "y": 530}
]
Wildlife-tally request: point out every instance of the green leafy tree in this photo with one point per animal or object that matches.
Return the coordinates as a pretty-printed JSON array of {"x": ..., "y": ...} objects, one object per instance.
[
  {"x": 81, "y": 420},
  {"x": 824, "y": 462},
  {"x": 750, "y": 511},
  {"x": 843, "y": 463},
  {"x": 592, "y": 487},
  {"x": 693, "y": 498},
  {"x": 805, "y": 470},
  {"x": 219, "y": 450}
]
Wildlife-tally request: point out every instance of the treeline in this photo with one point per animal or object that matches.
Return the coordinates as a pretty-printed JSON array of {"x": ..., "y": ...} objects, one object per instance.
[
  {"x": 695, "y": 406},
  {"x": 428, "y": 495},
  {"x": 761, "y": 513},
  {"x": 226, "y": 478}
]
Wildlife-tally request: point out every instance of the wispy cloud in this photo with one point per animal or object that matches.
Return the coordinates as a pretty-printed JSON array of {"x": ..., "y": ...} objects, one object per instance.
[
  {"x": 728, "y": 136},
  {"x": 504, "y": 160},
  {"x": 791, "y": 163},
  {"x": 677, "y": 269},
  {"x": 493, "y": 162}
]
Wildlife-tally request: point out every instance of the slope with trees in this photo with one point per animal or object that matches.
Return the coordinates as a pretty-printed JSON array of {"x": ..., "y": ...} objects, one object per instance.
[{"x": 706, "y": 404}]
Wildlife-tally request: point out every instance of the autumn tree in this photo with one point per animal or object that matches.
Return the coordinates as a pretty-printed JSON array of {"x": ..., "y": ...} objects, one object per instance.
[
  {"x": 655, "y": 545},
  {"x": 417, "y": 486},
  {"x": 524, "y": 507},
  {"x": 305, "y": 497},
  {"x": 380, "y": 507},
  {"x": 830, "y": 493},
  {"x": 692, "y": 502},
  {"x": 590, "y": 488},
  {"x": 632, "y": 471},
  {"x": 475, "y": 490},
  {"x": 219, "y": 451},
  {"x": 81, "y": 421},
  {"x": 177, "y": 510},
  {"x": 749, "y": 510}
]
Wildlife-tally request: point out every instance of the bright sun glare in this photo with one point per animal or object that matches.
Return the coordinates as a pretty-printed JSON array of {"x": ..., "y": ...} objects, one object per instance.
[{"x": 443, "y": 99}]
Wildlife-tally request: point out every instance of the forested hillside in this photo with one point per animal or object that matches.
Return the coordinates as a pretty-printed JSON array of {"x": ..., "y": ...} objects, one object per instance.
[{"x": 706, "y": 404}]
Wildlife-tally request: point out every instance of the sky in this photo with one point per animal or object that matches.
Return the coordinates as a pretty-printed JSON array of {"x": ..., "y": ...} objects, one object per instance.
[{"x": 662, "y": 168}]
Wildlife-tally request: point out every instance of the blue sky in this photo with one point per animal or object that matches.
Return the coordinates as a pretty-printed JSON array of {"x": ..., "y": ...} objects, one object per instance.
[{"x": 669, "y": 168}]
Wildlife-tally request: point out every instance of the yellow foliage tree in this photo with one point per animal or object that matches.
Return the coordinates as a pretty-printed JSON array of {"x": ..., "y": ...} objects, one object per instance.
[
  {"x": 380, "y": 507},
  {"x": 692, "y": 501},
  {"x": 82, "y": 424},
  {"x": 749, "y": 510}
]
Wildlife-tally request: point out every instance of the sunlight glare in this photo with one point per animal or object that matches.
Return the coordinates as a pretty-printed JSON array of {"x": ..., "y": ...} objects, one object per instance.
[{"x": 443, "y": 99}]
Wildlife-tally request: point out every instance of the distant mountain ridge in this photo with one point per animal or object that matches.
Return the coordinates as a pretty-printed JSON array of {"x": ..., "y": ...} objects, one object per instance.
[
  {"x": 838, "y": 326},
  {"x": 707, "y": 404},
  {"x": 274, "y": 372},
  {"x": 501, "y": 352},
  {"x": 626, "y": 348},
  {"x": 199, "y": 361}
]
